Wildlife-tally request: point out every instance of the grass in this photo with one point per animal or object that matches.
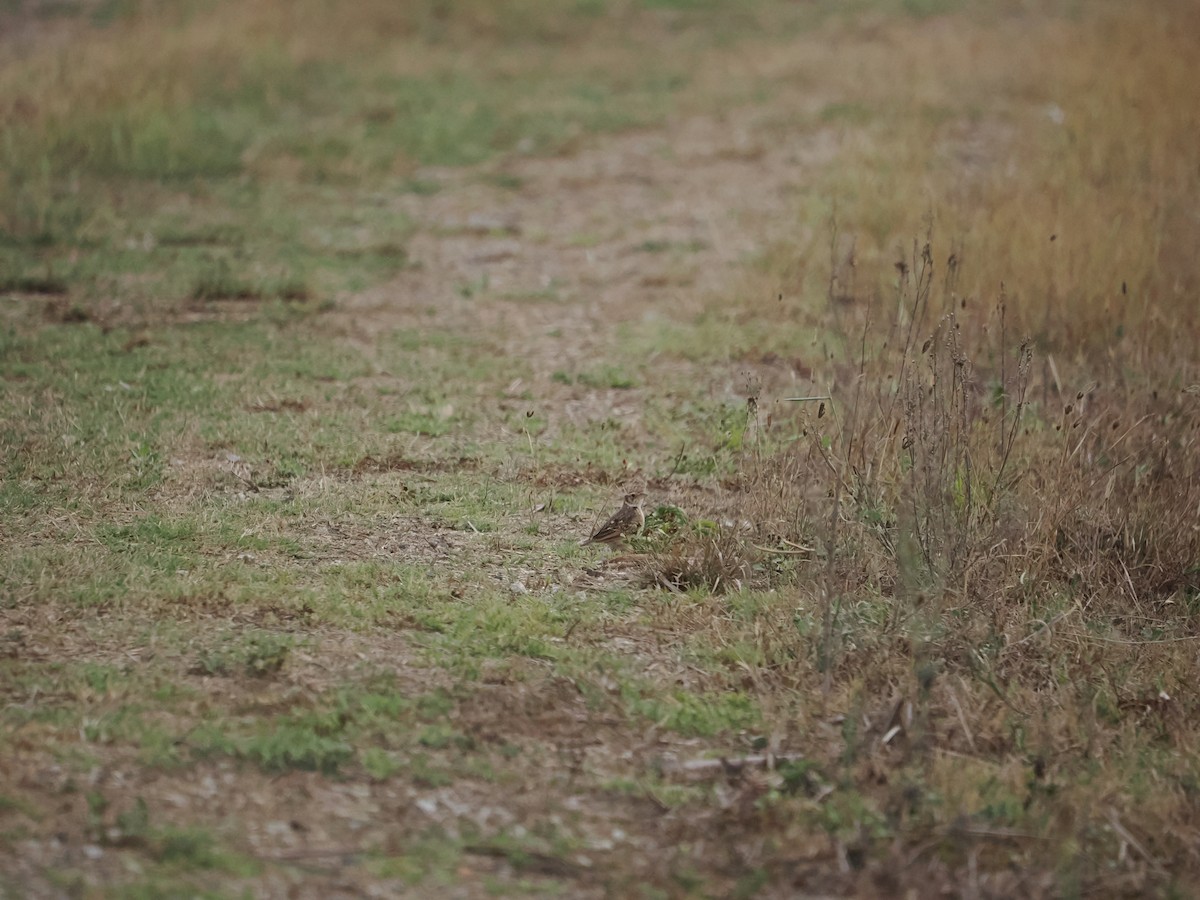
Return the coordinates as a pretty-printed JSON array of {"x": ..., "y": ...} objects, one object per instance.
[
  {"x": 325, "y": 338},
  {"x": 183, "y": 168}
]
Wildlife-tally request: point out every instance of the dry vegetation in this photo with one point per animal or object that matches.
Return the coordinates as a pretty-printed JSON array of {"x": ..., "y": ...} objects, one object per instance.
[{"x": 321, "y": 348}]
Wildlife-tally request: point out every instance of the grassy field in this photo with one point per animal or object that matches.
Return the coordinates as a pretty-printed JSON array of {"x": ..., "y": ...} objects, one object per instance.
[{"x": 328, "y": 331}]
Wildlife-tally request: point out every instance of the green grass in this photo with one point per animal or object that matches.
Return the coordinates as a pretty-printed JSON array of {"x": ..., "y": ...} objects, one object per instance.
[
  {"x": 194, "y": 171},
  {"x": 294, "y": 475},
  {"x": 187, "y": 393},
  {"x": 261, "y": 654}
]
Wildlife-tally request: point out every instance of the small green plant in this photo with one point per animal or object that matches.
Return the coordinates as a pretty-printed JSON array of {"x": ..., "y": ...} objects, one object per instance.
[
  {"x": 218, "y": 282},
  {"x": 664, "y": 522},
  {"x": 300, "y": 744},
  {"x": 259, "y": 654},
  {"x": 439, "y": 736},
  {"x": 133, "y": 824},
  {"x": 380, "y": 764},
  {"x": 707, "y": 715},
  {"x": 429, "y": 424},
  {"x": 614, "y": 377}
]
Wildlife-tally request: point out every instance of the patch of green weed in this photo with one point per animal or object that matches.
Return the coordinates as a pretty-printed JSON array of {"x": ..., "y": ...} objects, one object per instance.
[
  {"x": 257, "y": 654},
  {"x": 298, "y": 744},
  {"x": 699, "y": 714}
]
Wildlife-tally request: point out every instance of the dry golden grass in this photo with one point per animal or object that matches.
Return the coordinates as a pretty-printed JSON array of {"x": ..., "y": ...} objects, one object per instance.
[
  {"x": 1009, "y": 585},
  {"x": 1048, "y": 155}
]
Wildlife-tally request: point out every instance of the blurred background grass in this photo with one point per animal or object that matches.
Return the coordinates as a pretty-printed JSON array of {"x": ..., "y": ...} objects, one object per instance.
[
  {"x": 210, "y": 148},
  {"x": 167, "y": 151},
  {"x": 159, "y": 158}
]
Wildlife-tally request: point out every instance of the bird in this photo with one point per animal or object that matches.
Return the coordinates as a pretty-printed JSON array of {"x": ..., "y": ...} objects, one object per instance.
[{"x": 627, "y": 520}]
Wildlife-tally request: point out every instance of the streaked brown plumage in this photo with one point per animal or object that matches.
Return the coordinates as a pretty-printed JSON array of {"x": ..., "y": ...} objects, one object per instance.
[{"x": 627, "y": 520}]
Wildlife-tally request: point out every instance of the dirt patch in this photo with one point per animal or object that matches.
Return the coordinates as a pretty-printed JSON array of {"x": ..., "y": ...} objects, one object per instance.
[{"x": 630, "y": 228}]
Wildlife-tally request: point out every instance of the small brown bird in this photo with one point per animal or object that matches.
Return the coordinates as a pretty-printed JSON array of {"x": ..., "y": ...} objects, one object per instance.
[{"x": 627, "y": 520}]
